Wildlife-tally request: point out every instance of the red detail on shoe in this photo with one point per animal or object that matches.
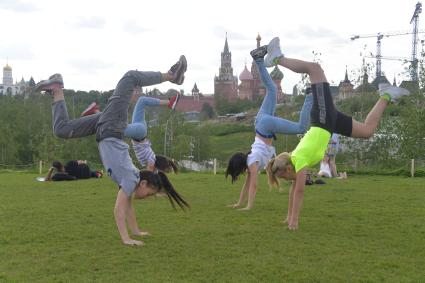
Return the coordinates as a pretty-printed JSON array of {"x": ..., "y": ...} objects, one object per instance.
[
  {"x": 172, "y": 104},
  {"x": 92, "y": 109}
]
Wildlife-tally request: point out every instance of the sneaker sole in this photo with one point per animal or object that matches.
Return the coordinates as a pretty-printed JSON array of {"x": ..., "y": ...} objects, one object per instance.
[
  {"x": 49, "y": 87},
  {"x": 271, "y": 47},
  {"x": 258, "y": 53},
  {"x": 180, "y": 79},
  {"x": 175, "y": 103}
]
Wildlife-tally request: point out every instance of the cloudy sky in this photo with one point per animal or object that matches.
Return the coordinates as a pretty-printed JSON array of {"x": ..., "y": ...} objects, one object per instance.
[{"x": 92, "y": 43}]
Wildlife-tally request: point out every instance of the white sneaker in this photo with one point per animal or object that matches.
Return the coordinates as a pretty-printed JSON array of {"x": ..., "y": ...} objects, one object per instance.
[
  {"x": 394, "y": 92},
  {"x": 273, "y": 52}
]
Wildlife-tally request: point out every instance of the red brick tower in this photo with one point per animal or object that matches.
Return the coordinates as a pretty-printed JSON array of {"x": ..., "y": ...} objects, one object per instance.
[{"x": 226, "y": 84}]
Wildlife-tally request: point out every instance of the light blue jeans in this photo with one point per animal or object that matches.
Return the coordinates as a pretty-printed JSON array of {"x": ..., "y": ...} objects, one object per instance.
[
  {"x": 112, "y": 122},
  {"x": 266, "y": 124},
  {"x": 138, "y": 128}
]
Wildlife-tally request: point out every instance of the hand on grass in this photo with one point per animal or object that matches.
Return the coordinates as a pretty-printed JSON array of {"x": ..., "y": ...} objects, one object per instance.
[
  {"x": 132, "y": 242},
  {"x": 293, "y": 226}
]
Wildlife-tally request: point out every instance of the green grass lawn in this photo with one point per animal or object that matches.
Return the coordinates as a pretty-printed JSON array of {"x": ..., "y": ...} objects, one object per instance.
[{"x": 365, "y": 229}]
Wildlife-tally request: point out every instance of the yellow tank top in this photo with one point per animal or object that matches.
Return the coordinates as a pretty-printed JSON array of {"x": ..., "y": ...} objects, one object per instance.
[{"x": 311, "y": 148}]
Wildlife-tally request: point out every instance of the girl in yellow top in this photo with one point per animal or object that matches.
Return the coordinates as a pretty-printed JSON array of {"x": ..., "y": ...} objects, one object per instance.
[{"x": 325, "y": 120}]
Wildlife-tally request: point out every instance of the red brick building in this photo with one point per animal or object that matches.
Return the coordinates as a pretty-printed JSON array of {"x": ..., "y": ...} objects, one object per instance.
[
  {"x": 226, "y": 84},
  {"x": 194, "y": 102},
  {"x": 251, "y": 86}
]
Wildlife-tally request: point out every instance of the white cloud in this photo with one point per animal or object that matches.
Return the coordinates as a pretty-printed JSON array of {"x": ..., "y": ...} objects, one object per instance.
[
  {"x": 17, "y": 6},
  {"x": 16, "y": 51},
  {"x": 134, "y": 27},
  {"x": 80, "y": 38},
  {"x": 89, "y": 22},
  {"x": 90, "y": 65}
]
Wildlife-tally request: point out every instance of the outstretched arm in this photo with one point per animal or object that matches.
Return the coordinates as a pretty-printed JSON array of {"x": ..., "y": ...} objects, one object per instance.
[
  {"x": 49, "y": 174},
  {"x": 132, "y": 222},
  {"x": 290, "y": 203},
  {"x": 253, "y": 176},
  {"x": 244, "y": 192},
  {"x": 122, "y": 206},
  {"x": 298, "y": 196}
]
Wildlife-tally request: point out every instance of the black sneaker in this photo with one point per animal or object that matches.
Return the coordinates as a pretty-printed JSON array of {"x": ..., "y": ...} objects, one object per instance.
[
  {"x": 308, "y": 91},
  {"x": 320, "y": 182},
  {"x": 178, "y": 70},
  {"x": 258, "y": 53},
  {"x": 54, "y": 82}
]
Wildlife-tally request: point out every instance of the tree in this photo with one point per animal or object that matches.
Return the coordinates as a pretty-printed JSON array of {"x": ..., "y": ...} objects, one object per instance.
[{"x": 207, "y": 111}]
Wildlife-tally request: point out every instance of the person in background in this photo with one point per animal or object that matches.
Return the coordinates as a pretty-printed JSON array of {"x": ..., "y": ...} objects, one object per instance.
[
  {"x": 333, "y": 148},
  {"x": 72, "y": 170}
]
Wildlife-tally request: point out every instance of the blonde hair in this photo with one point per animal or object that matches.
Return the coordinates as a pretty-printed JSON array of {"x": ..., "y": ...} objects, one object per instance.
[{"x": 278, "y": 163}]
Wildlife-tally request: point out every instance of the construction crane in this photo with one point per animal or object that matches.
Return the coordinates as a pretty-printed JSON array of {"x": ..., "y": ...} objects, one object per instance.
[
  {"x": 379, "y": 36},
  {"x": 404, "y": 59},
  {"x": 415, "y": 21}
]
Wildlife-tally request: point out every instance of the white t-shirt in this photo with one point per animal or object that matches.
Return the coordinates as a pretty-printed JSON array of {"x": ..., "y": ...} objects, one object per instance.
[
  {"x": 325, "y": 170},
  {"x": 261, "y": 152}
]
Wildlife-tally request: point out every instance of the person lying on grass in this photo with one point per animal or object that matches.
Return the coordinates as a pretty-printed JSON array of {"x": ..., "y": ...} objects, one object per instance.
[{"x": 72, "y": 170}]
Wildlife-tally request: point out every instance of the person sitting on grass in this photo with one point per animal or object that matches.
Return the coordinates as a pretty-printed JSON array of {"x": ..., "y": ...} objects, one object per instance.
[
  {"x": 266, "y": 126},
  {"x": 72, "y": 170},
  {"x": 325, "y": 170},
  {"x": 325, "y": 120},
  {"x": 109, "y": 127}
]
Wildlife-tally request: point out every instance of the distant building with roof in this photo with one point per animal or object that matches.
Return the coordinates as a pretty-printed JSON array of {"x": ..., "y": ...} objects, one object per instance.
[
  {"x": 226, "y": 84},
  {"x": 246, "y": 86},
  {"x": 345, "y": 87},
  {"x": 9, "y": 88},
  {"x": 194, "y": 102},
  {"x": 365, "y": 86},
  {"x": 251, "y": 86},
  {"x": 411, "y": 86}
]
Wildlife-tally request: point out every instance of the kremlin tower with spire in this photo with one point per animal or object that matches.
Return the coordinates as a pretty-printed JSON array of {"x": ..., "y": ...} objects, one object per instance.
[
  {"x": 226, "y": 84},
  {"x": 251, "y": 87}
]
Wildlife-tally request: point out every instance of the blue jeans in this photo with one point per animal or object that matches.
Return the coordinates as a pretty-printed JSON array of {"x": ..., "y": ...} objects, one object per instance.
[
  {"x": 266, "y": 124},
  {"x": 112, "y": 122},
  {"x": 138, "y": 128}
]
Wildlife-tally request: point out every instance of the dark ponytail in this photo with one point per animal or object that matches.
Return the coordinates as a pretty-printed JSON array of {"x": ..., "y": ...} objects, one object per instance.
[
  {"x": 237, "y": 165},
  {"x": 165, "y": 164},
  {"x": 172, "y": 194},
  {"x": 57, "y": 165},
  {"x": 160, "y": 182}
]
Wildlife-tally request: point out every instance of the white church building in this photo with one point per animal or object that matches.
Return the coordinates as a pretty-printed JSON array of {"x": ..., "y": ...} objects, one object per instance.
[{"x": 8, "y": 87}]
